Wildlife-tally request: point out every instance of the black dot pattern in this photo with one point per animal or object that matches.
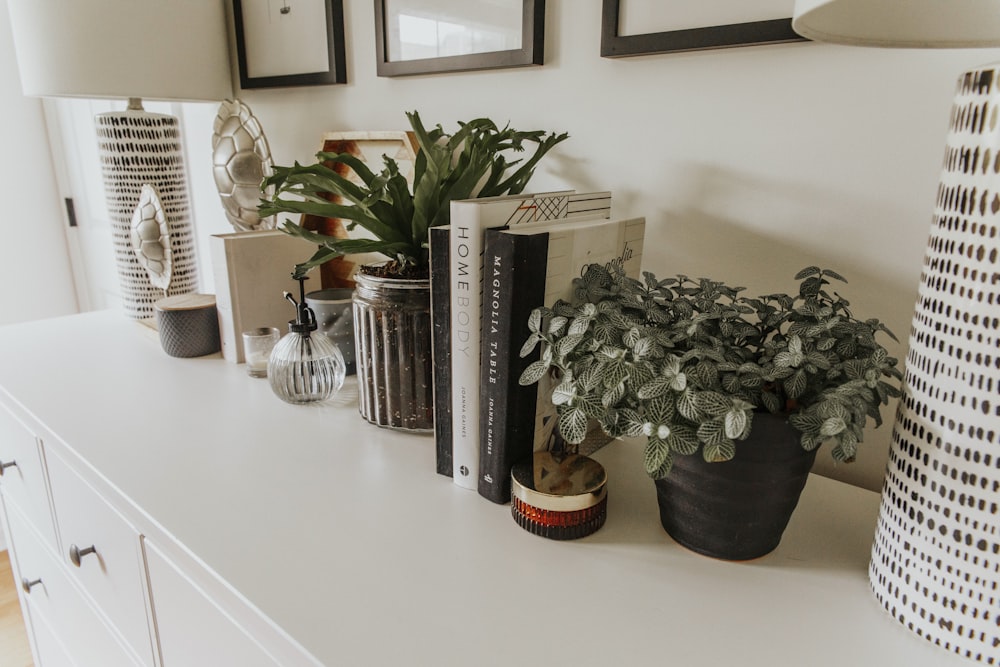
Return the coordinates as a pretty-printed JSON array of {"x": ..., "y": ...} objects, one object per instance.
[
  {"x": 936, "y": 557},
  {"x": 137, "y": 147}
]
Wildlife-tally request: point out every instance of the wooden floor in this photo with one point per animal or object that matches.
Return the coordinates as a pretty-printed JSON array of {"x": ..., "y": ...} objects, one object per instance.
[{"x": 14, "y": 650}]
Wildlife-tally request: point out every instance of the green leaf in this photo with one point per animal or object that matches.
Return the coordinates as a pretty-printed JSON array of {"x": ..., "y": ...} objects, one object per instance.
[
  {"x": 806, "y": 272},
  {"x": 535, "y": 321},
  {"x": 806, "y": 423},
  {"x": 565, "y": 345},
  {"x": 530, "y": 344},
  {"x": 573, "y": 425},
  {"x": 613, "y": 395},
  {"x": 735, "y": 424},
  {"x": 643, "y": 347},
  {"x": 661, "y": 410},
  {"x": 564, "y": 393},
  {"x": 719, "y": 452},
  {"x": 656, "y": 387},
  {"x": 533, "y": 373},
  {"x": 834, "y": 275},
  {"x": 683, "y": 440},
  {"x": 832, "y": 427},
  {"x": 632, "y": 422},
  {"x": 796, "y": 385},
  {"x": 687, "y": 406},
  {"x": 712, "y": 403},
  {"x": 617, "y": 373},
  {"x": 712, "y": 432},
  {"x": 655, "y": 455},
  {"x": 846, "y": 449}
]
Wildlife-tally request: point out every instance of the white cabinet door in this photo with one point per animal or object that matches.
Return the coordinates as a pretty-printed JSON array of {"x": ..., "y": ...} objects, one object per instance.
[
  {"x": 193, "y": 631},
  {"x": 56, "y": 600},
  {"x": 102, "y": 554}
]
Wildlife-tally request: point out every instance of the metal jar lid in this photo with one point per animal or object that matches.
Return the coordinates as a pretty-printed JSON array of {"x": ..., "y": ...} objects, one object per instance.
[{"x": 562, "y": 496}]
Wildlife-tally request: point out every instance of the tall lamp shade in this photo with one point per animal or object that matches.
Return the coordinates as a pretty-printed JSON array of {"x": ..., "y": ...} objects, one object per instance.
[
  {"x": 131, "y": 49},
  {"x": 935, "y": 562}
]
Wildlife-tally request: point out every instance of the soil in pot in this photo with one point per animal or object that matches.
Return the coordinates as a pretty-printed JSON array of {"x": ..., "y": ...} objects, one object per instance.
[{"x": 737, "y": 509}]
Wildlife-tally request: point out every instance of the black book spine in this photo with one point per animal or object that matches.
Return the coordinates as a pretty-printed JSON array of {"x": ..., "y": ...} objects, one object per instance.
[
  {"x": 513, "y": 285},
  {"x": 440, "y": 258}
]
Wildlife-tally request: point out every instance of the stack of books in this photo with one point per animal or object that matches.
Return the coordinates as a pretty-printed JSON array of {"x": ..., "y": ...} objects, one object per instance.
[{"x": 499, "y": 259}]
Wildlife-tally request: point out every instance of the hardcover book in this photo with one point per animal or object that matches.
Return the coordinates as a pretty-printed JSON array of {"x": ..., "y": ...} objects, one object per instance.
[
  {"x": 528, "y": 267},
  {"x": 252, "y": 270},
  {"x": 469, "y": 219},
  {"x": 441, "y": 344}
]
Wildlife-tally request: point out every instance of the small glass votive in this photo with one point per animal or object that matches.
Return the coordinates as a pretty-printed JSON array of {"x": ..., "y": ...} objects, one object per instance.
[{"x": 257, "y": 346}]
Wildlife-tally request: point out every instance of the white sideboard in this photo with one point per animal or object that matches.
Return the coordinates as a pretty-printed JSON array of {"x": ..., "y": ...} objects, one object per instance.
[{"x": 230, "y": 528}]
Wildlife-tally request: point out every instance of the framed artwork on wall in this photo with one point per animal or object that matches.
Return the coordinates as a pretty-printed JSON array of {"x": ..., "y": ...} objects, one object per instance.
[
  {"x": 434, "y": 36},
  {"x": 643, "y": 27},
  {"x": 289, "y": 42}
]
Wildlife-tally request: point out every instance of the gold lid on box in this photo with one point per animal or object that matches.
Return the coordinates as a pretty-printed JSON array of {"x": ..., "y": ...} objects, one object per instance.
[{"x": 559, "y": 496}]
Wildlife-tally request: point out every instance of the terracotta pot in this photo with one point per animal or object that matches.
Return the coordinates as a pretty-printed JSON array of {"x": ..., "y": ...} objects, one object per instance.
[
  {"x": 392, "y": 331},
  {"x": 738, "y": 509}
]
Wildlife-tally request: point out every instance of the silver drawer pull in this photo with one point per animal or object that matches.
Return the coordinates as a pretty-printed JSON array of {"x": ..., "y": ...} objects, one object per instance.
[
  {"x": 26, "y": 585},
  {"x": 76, "y": 553},
  {"x": 4, "y": 466}
]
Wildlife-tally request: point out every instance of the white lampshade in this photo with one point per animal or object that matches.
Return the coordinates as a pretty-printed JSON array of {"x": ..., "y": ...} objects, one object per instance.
[
  {"x": 900, "y": 23},
  {"x": 153, "y": 49}
]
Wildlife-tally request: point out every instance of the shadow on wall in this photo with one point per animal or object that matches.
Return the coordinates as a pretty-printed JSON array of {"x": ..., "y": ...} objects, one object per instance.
[{"x": 748, "y": 232}]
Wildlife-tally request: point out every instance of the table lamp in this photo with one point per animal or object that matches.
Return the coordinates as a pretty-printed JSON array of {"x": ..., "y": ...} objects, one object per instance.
[
  {"x": 935, "y": 562},
  {"x": 131, "y": 49}
]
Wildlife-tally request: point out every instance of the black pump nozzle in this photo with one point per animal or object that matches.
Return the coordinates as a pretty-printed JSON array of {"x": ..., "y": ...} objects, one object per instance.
[{"x": 305, "y": 320}]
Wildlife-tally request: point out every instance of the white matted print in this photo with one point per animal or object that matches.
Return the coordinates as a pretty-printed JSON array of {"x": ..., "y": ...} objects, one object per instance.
[
  {"x": 421, "y": 29},
  {"x": 285, "y": 37},
  {"x": 289, "y": 42},
  {"x": 639, "y": 17}
]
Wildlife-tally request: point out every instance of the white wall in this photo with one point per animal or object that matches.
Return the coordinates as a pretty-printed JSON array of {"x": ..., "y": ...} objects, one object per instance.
[
  {"x": 35, "y": 276},
  {"x": 749, "y": 163}
]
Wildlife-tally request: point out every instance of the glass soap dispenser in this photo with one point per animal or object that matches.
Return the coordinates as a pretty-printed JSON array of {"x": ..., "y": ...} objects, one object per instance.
[{"x": 305, "y": 365}]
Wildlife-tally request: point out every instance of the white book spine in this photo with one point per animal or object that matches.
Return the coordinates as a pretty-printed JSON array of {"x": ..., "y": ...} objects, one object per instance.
[
  {"x": 466, "y": 247},
  {"x": 468, "y": 220}
]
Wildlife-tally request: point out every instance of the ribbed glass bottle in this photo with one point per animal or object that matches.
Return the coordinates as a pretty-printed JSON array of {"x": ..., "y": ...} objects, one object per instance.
[{"x": 305, "y": 368}]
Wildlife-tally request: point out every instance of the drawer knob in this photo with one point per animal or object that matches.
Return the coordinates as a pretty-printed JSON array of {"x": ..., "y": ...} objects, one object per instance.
[
  {"x": 26, "y": 585},
  {"x": 4, "y": 466},
  {"x": 76, "y": 553}
]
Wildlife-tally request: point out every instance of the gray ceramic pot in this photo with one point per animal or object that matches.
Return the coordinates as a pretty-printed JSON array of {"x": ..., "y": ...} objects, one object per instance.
[{"x": 737, "y": 509}]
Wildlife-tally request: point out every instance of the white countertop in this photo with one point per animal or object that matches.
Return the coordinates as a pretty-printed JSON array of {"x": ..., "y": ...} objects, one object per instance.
[{"x": 344, "y": 535}]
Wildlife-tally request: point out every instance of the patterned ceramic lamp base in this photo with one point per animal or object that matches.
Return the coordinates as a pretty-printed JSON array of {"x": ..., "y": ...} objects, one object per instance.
[
  {"x": 936, "y": 558},
  {"x": 137, "y": 148}
]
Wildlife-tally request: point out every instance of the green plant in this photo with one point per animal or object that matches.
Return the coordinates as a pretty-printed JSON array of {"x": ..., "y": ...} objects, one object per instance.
[
  {"x": 687, "y": 362},
  {"x": 472, "y": 162}
]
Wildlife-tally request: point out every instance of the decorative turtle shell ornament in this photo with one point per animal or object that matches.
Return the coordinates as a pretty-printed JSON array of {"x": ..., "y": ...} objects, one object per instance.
[
  {"x": 241, "y": 159},
  {"x": 151, "y": 237}
]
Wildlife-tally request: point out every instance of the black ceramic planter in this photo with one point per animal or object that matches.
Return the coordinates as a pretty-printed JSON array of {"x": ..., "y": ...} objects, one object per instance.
[
  {"x": 392, "y": 330},
  {"x": 738, "y": 509}
]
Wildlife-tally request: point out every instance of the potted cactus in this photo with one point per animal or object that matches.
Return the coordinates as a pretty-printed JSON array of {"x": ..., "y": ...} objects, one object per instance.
[
  {"x": 730, "y": 392},
  {"x": 392, "y": 298}
]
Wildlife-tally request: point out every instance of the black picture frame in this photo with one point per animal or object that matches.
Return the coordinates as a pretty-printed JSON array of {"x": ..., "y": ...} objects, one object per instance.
[
  {"x": 337, "y": 73},
  {"x": 532, "y": 51},
  {"x": 613, "y": 45}
]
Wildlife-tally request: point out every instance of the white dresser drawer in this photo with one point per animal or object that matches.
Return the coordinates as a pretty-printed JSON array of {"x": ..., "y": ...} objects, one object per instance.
[
  {"x": 102, "y": 553},
  {"x": 23, "y": 476},
  {"x": 57, "y": 609},
  {"x": 49, "y": 649}
]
